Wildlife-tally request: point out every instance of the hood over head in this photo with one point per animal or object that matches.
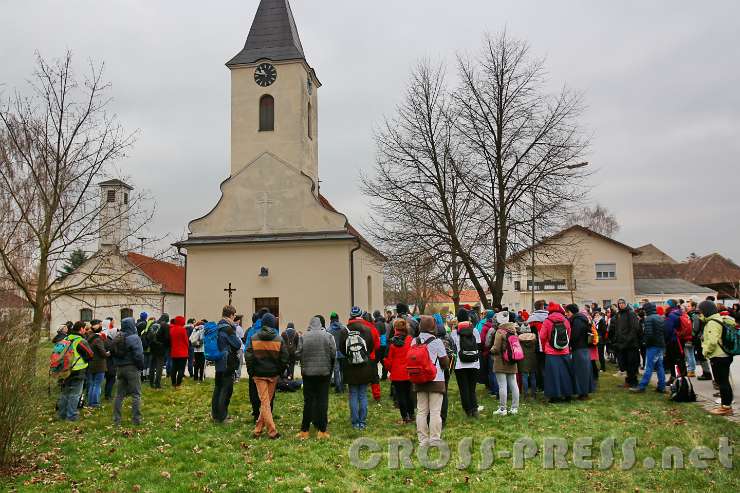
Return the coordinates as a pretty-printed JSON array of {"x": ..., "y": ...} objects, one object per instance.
[
  {"x": 165, "y": 318},
  {"x": 178, "y": 320},
  {"x": 269, "y": 320},
  {"x": 650, "y": 308},
  {"x": 463, "y": 315},
  {"x": 314, "y": 324},
  {"x": 128, "y": 326},
  {"x": 555, "y": 308},
  {"x": 502, "y": 317}
]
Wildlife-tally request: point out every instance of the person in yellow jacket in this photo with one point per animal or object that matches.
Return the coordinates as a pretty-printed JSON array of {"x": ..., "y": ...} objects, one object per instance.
[
  {"x": 718, "y": 358},
  {"x": 72, "y": 386}
]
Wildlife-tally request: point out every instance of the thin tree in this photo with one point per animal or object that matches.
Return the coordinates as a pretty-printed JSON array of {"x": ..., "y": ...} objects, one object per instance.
[
  {"x": 522, "y": 143},
  {"x": 56, "y": 144},
  {"x": 598, "y": 219}
]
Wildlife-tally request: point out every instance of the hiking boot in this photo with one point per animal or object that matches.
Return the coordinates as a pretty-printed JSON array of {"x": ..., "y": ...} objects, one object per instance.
[
  {"x": 660, "y": 391},
  {"x": 704, "y": 377},
  {"x": 276, "y": 436},
  {"x": 302, "y": 435},
  {"x": 323, "y": 435},
  {"x": 637, "y": 390},
  {"x": 722, "y": 411}
]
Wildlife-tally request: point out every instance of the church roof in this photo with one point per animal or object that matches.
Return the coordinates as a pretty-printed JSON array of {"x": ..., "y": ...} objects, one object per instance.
[
  {"x": 115, "y": 183},
  {"x": 170, "y": 276},
  {"x": 351, "y": 229},
  {"x": 273, "y": 35}
]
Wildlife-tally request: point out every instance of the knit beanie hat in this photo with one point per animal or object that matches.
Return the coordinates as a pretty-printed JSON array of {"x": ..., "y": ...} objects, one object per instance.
[
  {"x": 708, "y": 308},
  {"x": 333, "y": 316},
  {"x": 671, "y": 303},
  {"x": 402, "y": 308},
  {"x": 462, "y": 315},
  {"x": 355, "y": 312},
  {"x": 269, "y": 320},
  {"x": 143, "y": 316},
  {"x": 502, "y": 317}
]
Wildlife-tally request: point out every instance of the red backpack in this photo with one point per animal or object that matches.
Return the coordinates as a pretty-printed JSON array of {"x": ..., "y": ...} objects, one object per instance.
[
  {"x": 419, "y": 365},
  {"x": 62, "y": 359},
  {"x": 685, "y": 330}
]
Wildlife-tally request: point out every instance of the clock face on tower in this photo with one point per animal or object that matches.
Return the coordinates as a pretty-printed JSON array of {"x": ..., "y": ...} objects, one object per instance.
[{"x": 265, "y": 75}]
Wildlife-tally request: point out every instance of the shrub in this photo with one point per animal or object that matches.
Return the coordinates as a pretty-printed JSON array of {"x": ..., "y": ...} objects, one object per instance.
[{"x": 19, "y": 392}]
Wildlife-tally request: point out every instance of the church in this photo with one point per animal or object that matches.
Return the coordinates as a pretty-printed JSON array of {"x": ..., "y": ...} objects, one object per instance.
[{"x": 273, "y": 240}]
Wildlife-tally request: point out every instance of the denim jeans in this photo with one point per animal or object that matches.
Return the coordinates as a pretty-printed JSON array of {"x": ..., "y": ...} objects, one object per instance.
[
  {"x": 337, "y": 377},
  {"x": 70, "y": 397},
  {"x": 358, "y": 405},
  {"x": 492, "y": 381},
  {"x": 654, "y": 361},
  {"x": 94, "y": 383},
  {"x": 129, "y": 384},
  {"x": 690, "y": 357},
  {"x": 529, "y": 380}
]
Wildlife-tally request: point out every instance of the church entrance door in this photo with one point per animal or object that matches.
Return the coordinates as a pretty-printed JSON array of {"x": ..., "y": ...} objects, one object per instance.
[{"x": 272, "y": 303}]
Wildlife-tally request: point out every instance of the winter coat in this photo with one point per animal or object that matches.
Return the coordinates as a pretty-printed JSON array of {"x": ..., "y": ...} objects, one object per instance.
[
  {"x": 546, "y": 331},
  {"x": 134, "y": 353},
  {"x": 487, "y": 327},
  {"x": 229, "y": 342},
  {"x": 654, "y": 328},
  {"x": 316, "y": 351},
  {"x": 625, "y": 330},
  {"x": 335, "y": 330},
  {"x": 398, "y": 351},
  {"x": 499, "y": 345},
  {"x": 267, "y": 355},
  {"x": 601, "y": 329},
  {"x": 535, "y": 321},
  {"x": 99, "y": 363},
  {"x": 528, "y": 341},
  {"x": 161, "y": 343},
  {"x": 580, "y": 328},
  {"x": 713, "y": 337},
  {"x": 358, "y": 374},
  {"x": 179, "y": 345},
  {"x": 672, "y": 325},
  {"x": 197, "y": 339}
]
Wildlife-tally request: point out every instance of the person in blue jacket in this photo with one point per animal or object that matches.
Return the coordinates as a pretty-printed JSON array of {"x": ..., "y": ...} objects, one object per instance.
[{"x": 225, "y": 367}]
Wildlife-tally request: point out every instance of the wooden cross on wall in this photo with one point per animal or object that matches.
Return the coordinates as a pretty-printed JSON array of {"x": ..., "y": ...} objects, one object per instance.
[{"x": 230, "y": 290}]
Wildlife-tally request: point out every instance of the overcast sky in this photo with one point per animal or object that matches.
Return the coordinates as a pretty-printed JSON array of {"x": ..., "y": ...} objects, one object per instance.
[{"x": 661, "y": 80}]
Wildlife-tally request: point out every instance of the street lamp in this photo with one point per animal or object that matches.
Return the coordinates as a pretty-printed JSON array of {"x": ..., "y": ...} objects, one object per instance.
[{"x": 534, "y": 221}]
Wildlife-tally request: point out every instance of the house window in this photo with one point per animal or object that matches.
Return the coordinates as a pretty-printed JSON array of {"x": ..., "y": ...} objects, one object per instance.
[
  {"x": 606, "y": 271},
  {"x": 310, "y": 120},
  {"x": 126, "y": 313},
  {"x": 111, "y": 197},
  {"x": 548, "y": 285},
  {"x": 125, "y": 198},
  {"x": 267, "y": 113},
  {"x": 86, "y": 315},
  {"x": 517, "y": 285}
]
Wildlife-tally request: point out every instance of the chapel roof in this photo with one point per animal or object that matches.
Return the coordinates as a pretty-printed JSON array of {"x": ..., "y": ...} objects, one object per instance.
[
  {"x": 273, "y": 35},
  {"x": 170, "y": 276}
]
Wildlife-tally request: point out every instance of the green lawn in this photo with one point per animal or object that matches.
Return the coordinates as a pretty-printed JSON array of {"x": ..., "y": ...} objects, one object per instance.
[{"x": 179, "y": 449}]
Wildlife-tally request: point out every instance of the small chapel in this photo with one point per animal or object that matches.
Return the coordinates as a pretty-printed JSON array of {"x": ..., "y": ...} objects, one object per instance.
[{"x": 273, "y": 240}]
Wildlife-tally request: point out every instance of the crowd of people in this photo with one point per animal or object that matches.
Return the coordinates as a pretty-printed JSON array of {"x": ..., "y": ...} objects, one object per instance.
[{"x": 557, "y": 350}]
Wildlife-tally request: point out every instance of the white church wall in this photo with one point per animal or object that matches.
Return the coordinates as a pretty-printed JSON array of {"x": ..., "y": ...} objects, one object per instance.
[
  {"x": 101, "y": 305},
  {"x": 309, "y": 278},
  {"x": 368, "y": 281},
  {"x": 174, "y": 305}
]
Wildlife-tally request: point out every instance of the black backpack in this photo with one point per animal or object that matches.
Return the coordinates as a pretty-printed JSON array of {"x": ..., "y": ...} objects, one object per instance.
[
  {"x": 118, "y": 346},
  {"x": 682, "y": 390},
  {"x": 152, "y": 335},
  {"x": 468, "y": 351},
  {"x": 291, "y": 343},
  {"x": 559, "y": 339}
]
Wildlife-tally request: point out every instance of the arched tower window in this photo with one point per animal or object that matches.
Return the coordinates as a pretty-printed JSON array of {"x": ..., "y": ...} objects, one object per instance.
[
  {"x": 310, "y": 121},
  {"x": 267, "y": 113}
]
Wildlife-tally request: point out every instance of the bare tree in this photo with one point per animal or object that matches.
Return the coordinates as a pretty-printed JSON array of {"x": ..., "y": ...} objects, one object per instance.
[
  {"x": 419, "y": 201},
  {"x": 56, "y": 144},
  {"x": 597, "y": 219},
  {"x": 523, "y": 144}
]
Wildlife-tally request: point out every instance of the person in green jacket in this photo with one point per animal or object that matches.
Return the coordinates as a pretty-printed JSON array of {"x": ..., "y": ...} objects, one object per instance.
[{"x": 718, "y": 358}]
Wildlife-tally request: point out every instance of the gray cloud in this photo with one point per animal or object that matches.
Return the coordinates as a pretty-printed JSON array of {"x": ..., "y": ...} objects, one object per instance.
[{"x": 660, "y": 80}]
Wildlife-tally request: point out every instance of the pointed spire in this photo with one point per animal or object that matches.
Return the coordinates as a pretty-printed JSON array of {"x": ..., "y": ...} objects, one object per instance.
[{"x": 273, "y": 35}]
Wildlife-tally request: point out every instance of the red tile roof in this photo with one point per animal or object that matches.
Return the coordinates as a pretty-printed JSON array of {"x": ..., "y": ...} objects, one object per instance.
[
  {"x": 467, "y": 296},
  {"x": 170, "y": 276}
]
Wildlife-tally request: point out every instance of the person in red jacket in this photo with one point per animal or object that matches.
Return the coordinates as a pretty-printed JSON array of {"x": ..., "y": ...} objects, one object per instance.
[
  {"x": 179, "y": 346},
  {"x": 396, "y": 363},
  {"x": 555, "y": 339}
]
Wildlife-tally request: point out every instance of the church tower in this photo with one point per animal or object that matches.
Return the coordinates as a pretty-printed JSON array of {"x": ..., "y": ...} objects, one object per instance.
[
  {"x": 274, "y": 102},
  {"x": 113, "y": 219}
]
